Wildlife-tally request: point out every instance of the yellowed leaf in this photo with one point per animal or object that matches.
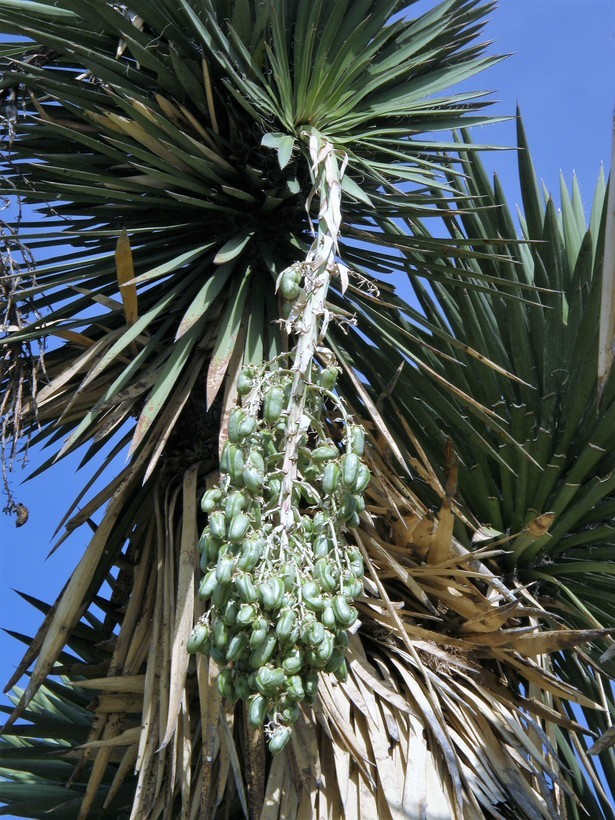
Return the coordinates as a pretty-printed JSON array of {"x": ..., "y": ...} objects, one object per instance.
[{"x": 126, "y": 273}]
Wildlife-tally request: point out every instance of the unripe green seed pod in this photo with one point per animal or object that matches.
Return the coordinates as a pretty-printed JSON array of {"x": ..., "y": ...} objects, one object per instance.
[
  {"x": 273, "y": 404},
  {"x": 323, "y": 575},
  {"x": 290, "y": 283},
  {"x": 219, "y": 633},
  {"x": 293, "y": 662},
  {"x": 320, "y": 521},
  {"x": 237, "y": 647},
  {"x": 279, "y": 739},
  {"x": 259, "y": 636},
  {"x": 251, "y": 552},
  {"x": 347, "y": 508},
  {"x": 217, "y": 524},
  {"x": 262, "y": 653},
  {"x": 271, "y": 593},
  {"x": 322, "y": 546},
  {"x": 312, "y": 597},
  {"x": 356, "y": 434},
  {"x": 354, "y": 521},
  {"x": 325, "y": 453},
  {"x": 328, "y": 377},
  {"x": 285, "y": 624},
  {"x": 207, "y": 585},
  {"x": 344, "y": 613},
  {"x": 200, "y": 634},
  {"x": 294, "y": 688},
  {"x": 234, "y": 421},
  {"x": 246, "y": 614},
  {"x": 231, "y": 610},
  {"x": 314, "y": 634},
  {"x": 243, "y": 689},
  {"x": 311, "y": 684},
  {"x": 236, "y": 464},
  {"x": 336, "y": 660},
  {"x": 331, "y": 477},
  {"x": 220, "y": 595},
  {"x": 238, "y": 528},
  {"x": 291, "y": 713},
  {"x": 253, "y": 479},
  {"x": 350, "y": 469},
  {"x": 355, "y": 563},
  {"x": 341, "y": 673},
  {"x": 225, "y": 684},
  {"x": 269, "y": 681},
  {"x": 224, "y": 569},
  {"x": 236, "y": 502},
  {"x": 211, "y": 498},
  {"x": 245, "y": 382},
  {"x": 362, "y": 480},
  {"x": 257, "y": 710},
  {"x": 225, "y": 462},
  {"x": 246, "y": 589},
  {"x": 328, "y": 617}
]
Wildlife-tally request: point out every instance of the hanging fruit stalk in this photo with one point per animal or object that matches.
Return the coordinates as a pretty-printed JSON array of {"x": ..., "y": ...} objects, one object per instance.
[{"x": 278, "y": 573}]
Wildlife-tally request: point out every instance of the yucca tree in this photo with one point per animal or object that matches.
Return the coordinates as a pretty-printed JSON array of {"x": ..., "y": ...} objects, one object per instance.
[{"x": 183, "y": 156}]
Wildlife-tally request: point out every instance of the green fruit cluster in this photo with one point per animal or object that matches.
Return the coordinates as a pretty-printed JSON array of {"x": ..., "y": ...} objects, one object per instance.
[{"x": 281, "y": 598}]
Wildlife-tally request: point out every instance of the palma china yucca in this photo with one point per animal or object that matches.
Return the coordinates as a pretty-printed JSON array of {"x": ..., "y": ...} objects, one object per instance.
[{"x": 348, "y": 420}]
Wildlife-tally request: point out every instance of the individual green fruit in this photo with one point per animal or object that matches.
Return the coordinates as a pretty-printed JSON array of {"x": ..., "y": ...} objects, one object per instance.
[
  {"x": 293, "y": 662},
  {"x": 347, "y": 508},
  {"x": 251, "y": 552},
  {"x": 224, "y": 569},
  {"x": 273, "y": 404},
  {"x": 355, "y": 562},
  {"x": 238, "y": 528},
  {"x": 323, "y": 575},
  {"x": 269, "y": 681},
  {"x": 200, "y": 634},
  {"x": 207, "y": 585},
  {"x": 328, "y": 377},
  {"x": 341, "y": 673},
  {"x": 262, "y": 653},
  {"x": 245, "y": 382},
  {"x": 237, "y": 646},
  {"x": 294, "y": 688},
  {"x": 362, "y": 480},
  {"x": 211, "y": 498},
  {"x": 312, "y": 597},
  {"x": 260, "y": 632},
  {"x": 246, "y": 589},
  {"x": 291, "y": 713},
  {"x": 219, "y": 633},
  {"x": 236, "y": 502},
  {"x": 350, "y": 469},
  {"x": 236, "y": 464},
  {"x": 311, "y": 684},
  {"x": 220, "y": 595},
  {"x": 345, "y": 614},
  {"x": 225, "y": 684},
  {"x": 243, "y": 689},
  {"x": 325, "y": 453},
  {"x": 328, "y": 617},
  {"x": 217, "y": 524},
  {"x": 290, "y": 284},
  {"x": 356, "y": 435},
  {"x": 279, "y": 739},
  {"x": 321, "y": 546},
  {"x": 257, "y": 710},
  {"x": 253, "y": 479},
  {"x": 331, "y": 477},
  {"x": 285, "y": 623},
  {"x": 271, "y": 593},
  {"x": 314, "y": 634},
  {"x": 246, "y": 614},
  {"x": 231, "y": 610}
]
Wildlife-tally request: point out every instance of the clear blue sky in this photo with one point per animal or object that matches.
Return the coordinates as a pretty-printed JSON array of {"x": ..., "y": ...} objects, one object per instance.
[{"x": 561, "y": 73}]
